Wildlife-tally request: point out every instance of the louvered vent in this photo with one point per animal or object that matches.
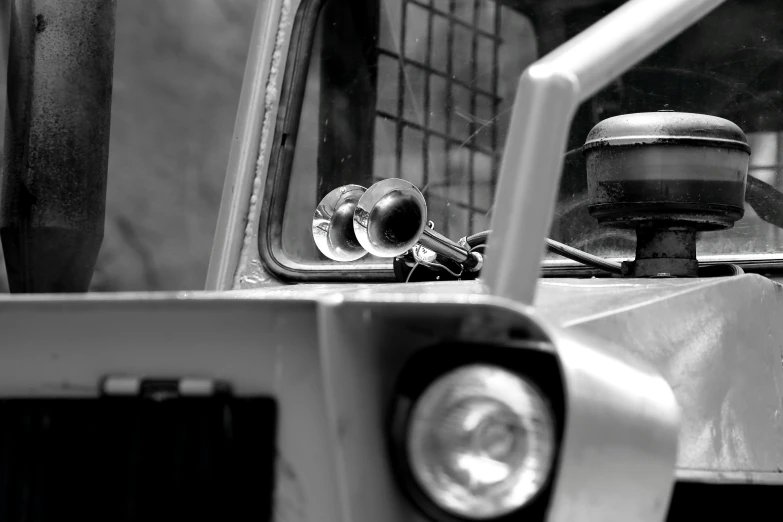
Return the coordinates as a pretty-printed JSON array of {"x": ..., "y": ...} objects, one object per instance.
[{"x": 133, "y": 458}]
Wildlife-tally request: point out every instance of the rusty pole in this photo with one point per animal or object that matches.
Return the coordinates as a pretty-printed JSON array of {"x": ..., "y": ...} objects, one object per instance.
[{"x": 53, "y": 199}]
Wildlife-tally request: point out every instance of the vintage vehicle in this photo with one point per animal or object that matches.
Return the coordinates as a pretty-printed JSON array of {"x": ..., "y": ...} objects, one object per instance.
[{"x": 348, "y": 360}]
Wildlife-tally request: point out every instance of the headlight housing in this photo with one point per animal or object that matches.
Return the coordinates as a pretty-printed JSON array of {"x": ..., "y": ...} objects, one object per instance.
[
  {"x": 481, "y": 441},
  {"x": 477, "y": 438}
]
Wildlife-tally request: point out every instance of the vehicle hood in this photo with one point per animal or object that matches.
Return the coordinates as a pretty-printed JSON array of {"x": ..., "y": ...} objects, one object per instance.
[
  {"x": 562, "y": 302},
  {"x": 717, "y": 341}
]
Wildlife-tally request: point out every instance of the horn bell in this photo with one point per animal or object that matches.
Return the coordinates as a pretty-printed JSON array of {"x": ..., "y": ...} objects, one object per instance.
[
  {"x": 333, "y": 231},
  {"x": 390, "y": 217}
]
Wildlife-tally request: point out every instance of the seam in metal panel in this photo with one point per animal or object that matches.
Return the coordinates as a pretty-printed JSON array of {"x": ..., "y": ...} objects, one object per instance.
[
  {"x": 271, "y": 99},
  {"x": 243, "y": 154}
]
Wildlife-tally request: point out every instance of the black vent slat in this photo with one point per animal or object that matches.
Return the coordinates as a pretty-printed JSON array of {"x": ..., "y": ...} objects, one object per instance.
[
  {"x": 724, "y": 501},
  {"x": 129, "y": 459}
]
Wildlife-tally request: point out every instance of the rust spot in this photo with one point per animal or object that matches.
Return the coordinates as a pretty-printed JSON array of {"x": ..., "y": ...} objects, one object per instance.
[{"x": 40, "y": 24}]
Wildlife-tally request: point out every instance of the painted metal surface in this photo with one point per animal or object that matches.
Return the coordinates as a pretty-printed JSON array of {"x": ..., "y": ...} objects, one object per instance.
[
  {"x": 668, "y": 128},
  {"x": 718, "y": 342},
  {"x": 620, "y": 451},
  {"x": 360, "y": 381},
  {"x": 547, "y": 96},
  {"x": 667, "y": 175},
  {"x": 627, "y": 433},
  {"x": 262, "y": 346},
  {"x": 330, "y": 358},
  {"x": 235, "y": 261},
  {"x": 257, "y": 106},
  {"x": 61, "y": 61}
]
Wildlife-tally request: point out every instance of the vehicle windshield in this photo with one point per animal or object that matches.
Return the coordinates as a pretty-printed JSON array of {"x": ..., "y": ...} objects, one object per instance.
[{"x": 422, "y": 90}]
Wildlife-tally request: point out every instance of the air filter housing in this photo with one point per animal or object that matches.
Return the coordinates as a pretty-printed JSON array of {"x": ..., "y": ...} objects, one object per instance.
[{"x": 668, "y": 175}]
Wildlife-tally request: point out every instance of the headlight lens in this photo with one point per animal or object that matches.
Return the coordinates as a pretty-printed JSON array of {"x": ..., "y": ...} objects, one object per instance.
[{"x": 481, "y": 441}]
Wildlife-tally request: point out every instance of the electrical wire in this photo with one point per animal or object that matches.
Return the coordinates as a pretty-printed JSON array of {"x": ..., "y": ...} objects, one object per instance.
[
  {"x": 415, "y": 266},
  {"x": 556, "y": 247},
  {"x": 479, "y": 240},
  {"x": 583, "y": 257}
]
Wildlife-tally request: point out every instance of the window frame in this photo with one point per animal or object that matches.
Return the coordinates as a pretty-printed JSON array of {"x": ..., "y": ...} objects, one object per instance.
[{"x": 281, "y": 159}]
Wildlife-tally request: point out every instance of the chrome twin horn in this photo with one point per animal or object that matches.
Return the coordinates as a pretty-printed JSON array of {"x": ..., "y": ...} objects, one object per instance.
[{"x": 386, "y": 220}]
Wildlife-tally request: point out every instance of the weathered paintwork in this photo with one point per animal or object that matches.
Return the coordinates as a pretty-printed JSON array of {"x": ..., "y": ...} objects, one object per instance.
[
  {"x": 366, "y": 337},
  {"x": 330, "y": 356},
  {"x": 718, "y": 341},
  {"x": 52, "y": 206}
]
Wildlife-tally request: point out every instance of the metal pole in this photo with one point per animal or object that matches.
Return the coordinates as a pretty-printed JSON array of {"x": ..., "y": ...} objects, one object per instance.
[
  {"x": 237, "y": 206},
  {"x": 53, "y": 201},
  {"x": 548, "y": 94}
]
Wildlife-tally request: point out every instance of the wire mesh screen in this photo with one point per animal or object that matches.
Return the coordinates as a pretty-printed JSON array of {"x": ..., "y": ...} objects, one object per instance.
[
  {"x": 440, "y": 104},
  {"x": 413, "y": 89}
]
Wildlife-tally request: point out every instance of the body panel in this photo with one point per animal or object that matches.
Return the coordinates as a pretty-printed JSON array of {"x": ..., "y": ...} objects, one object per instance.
[
  {"x": 719, "y": 344},
  {"x": 330, "y": 359},
  {"x": 57, "y": 347},
  {"x": 718, "y": 341}
]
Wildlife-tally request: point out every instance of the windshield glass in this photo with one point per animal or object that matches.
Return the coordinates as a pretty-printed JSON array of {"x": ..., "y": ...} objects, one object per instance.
[{"x": 422, "y": 90}]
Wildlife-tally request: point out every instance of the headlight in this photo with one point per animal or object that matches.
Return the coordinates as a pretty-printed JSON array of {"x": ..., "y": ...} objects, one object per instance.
[{"x": 481, "y": 442}]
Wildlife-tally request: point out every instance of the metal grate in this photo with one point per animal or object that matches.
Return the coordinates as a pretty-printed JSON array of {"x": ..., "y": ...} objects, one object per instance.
[{"x": 445, "y": 137}]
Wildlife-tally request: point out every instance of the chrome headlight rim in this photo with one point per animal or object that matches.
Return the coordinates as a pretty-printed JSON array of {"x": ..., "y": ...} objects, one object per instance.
[{"x": 538, "y": 367}]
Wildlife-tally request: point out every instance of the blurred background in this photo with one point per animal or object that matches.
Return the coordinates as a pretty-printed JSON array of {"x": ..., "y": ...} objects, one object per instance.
[{"x": 178, "y": 72}]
